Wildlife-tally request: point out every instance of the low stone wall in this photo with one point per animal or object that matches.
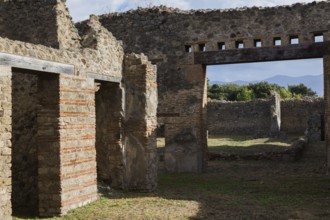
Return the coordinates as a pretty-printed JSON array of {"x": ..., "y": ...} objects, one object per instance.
[
  {"x": 239, "y": 117},
  {"x": 296, "y": 113},
  {"x": 254, "y": 117}
]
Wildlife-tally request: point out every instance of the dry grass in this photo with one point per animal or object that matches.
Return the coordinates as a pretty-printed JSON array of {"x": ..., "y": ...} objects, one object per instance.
[{"x": 229, "y": 190}]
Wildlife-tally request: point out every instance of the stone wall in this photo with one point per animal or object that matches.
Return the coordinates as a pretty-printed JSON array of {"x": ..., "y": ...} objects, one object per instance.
[
  {"x": 296, "y": 113},
  {"x": 57, "y": 124},
  {"x": 169, "y": 36},
  {"x": 254, "y": 117},
  {"x": 5, "y": 142},
  {"x": 140, "y": 123},
  {"x": 39, "y": 22},
  {"x": 24, "y": 142}
]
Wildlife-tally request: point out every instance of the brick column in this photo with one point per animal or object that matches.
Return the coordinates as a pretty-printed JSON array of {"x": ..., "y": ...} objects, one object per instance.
[
  {"x": 5, "y": 141},
  {"x": 48, "y": 138},
  {"x": 140, "y": 123},
  {"x": 77, "y": 142},
  {"x": 326, "y": 62},
  {"x": 186, "y": 128},
  {"x": 66, "y": 138}
]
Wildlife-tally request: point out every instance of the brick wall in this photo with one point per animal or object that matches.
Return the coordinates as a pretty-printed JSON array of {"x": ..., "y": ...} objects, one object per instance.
[
  {"x": 77, "y": 142},
  {"x": 5, "y": 142},
  {"x": 140, "y": 123}
]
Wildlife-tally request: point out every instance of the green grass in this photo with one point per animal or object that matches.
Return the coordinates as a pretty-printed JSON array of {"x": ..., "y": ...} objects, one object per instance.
[
  {"x": 242, "y": 144},
  {"x": 229, "y": 190}
]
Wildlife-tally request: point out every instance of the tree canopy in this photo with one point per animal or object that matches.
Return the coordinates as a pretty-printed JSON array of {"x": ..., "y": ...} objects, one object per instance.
[{"x": 261, "y": 90}]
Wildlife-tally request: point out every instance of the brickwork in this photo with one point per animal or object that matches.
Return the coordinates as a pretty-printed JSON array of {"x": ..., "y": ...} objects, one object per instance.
[
  {"x": 140, "y": 123},
  {"x": 77, "y": 142},
  {"x": 5, "y": 142},
  {"x": 62, "y": 122}
]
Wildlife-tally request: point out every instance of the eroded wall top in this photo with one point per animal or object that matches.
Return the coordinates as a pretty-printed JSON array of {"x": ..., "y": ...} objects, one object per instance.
[{"x": 43, "y": 29}]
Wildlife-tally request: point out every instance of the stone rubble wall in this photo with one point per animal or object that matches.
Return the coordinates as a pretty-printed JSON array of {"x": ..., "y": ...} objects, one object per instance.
[
  {"x": 296, "y": 113},
  {"x": 140, "y": 123},
  {"x": 254, "y": 117},
  {"x": 163, "y": 33},
  {"x": 45, "y": 22},
  {"x": 24, "y": 142},
  {"x": 5, "y": 142},
  {"x": 169, "y": 36}
]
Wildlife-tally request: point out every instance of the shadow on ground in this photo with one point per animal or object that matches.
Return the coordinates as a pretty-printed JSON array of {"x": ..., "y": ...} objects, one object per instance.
[{"x": 229, "y": 190}]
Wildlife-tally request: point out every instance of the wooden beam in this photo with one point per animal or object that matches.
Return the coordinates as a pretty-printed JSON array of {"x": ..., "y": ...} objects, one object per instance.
[
  {"x": 290, "y": 52},
  {"x": 35, "y": 64},
  {"x": 106, "y": 78}
]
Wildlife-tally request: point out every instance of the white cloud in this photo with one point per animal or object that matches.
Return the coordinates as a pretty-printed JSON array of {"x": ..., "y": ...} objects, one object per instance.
[{"x": 81, "y": 9}]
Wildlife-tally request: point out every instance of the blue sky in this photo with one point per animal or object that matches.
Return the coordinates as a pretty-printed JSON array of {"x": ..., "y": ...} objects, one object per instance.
[{"x": 81, "y": 9}]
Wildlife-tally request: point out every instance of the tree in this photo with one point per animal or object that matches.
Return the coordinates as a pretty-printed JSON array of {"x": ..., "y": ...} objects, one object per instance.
[
  {"x": 245, "y": 95},
  {"x": 301, "y": 90}
]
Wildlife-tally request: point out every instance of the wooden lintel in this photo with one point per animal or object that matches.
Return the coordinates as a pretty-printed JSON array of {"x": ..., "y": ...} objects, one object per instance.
[
  {"x": 106, "y": 78},
  {"x": 35, "y": 64}
]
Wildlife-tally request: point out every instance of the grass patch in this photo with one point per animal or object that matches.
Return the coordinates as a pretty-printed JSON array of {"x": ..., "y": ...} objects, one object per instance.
[
  {"x": 243, "y": 145},
  {"x": 229, "y": 190}
]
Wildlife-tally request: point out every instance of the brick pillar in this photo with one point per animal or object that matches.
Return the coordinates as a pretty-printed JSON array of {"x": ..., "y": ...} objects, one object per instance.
[
  {"x": 140, "y": 123},
  {"x": 326, "y": 62},
  {"x": 66, "y": 139},
  {"x": 186, "y": 129},
  {"x": 77, "y": 142},
  {"x": 5, "y": 142},
  {"x": 48, "y": 146}
]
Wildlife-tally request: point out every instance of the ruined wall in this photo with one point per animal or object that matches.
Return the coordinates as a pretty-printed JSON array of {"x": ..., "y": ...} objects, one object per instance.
[
  {"x": 327, "y": 107},
  {"x": 39, "y": 22},
  {"x": 24, "y": 142},
  {"x": 168, "y": 36},
  {"x": 251, "y": 117},
  {"x": 140, "y": 123},
  {"x": 5, "y": 142},
  {"x": 254, "y": 117},
  {"x": 296, "y": 113}
]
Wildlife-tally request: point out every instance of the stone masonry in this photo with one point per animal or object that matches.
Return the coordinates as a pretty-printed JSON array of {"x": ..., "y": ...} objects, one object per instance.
[
  {"x": 254, "y": 117},
  {"x": 182, "y": 43},
  {"x": 75, "y": 67},
  {"x": 67, "y": 97}
]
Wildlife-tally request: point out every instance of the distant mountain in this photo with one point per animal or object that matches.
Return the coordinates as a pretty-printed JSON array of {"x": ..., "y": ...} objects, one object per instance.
[{"x": 313, "y": 82}]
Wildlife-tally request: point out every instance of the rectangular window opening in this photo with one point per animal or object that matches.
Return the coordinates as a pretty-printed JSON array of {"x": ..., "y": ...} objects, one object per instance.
[
  {"x": 188, "y": 48},
  {"x": 294, "y": 40},
  {"x": 258, "y": 43},
  {"x": 318, "y": 38},
  {"x": 277, "y": 41},
  {"x": 202, "y": 47},
  {"x": 239, "y": 44},
  {"x": 221, "y": 46}
]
